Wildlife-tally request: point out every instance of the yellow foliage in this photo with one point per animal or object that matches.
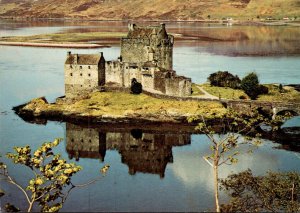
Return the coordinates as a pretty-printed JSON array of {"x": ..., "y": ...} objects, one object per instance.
[{"x": 39, "y": 181}]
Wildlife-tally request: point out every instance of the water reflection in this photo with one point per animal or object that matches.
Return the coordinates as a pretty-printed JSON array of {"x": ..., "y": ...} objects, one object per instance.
[{"x": 143, "y": 151}]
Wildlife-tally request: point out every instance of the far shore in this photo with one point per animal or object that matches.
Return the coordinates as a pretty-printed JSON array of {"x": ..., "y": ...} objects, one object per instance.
[
  {"x": 234, "y": 21},
  {"x": 54, "y": 45}
]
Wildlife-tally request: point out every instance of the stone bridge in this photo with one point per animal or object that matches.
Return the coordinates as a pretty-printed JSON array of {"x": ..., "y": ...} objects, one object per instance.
[{"x": 272, "y": 108}]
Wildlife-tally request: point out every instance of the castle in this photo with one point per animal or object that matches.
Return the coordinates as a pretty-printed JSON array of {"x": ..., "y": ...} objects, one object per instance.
[{"x": 146, "y": 56}]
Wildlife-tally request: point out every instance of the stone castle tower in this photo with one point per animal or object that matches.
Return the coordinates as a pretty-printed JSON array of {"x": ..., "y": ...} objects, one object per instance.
[
  {"x": 150, "y": 43},
  {"x": 146, "y": 56}
]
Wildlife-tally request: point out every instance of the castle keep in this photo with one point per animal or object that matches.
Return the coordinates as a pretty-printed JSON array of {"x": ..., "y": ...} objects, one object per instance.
[{"x": 146, "y": 56}]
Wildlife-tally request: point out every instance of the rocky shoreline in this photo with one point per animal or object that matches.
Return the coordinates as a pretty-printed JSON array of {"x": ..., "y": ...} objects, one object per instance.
[
  {"x": 53, "y": 45},
  {"x": 39, "y": 111}
]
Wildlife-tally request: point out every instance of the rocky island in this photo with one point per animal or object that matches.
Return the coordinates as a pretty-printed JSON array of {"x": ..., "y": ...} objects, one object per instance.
[{"x": 139, "y": 87}]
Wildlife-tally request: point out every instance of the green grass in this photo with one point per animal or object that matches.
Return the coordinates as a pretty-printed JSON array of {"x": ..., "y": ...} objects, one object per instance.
[
  {"x": 288, "y": 95},
  {"x": 224, "y": 92},
  {"x": 121, "y": 104},
  {"x": 65, "y": 37}
]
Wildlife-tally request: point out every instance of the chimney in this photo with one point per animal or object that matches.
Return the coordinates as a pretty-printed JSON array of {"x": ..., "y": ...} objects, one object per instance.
[
  {"x": 163, "y": 25},
  {"x": 131, "y": 26},
  {"x": 69, "y": 53},
  {"x": 76, "y": 58},
  {"x": 101, "y": 54}
]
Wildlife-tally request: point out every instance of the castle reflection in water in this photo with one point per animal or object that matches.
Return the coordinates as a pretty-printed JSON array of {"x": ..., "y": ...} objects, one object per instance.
[{"x": 142, "y": 150}]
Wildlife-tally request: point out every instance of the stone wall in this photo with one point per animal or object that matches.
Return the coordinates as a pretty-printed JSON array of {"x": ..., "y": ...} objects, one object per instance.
[
  {"x": 101, "y": 71},
  {"x": 80, "y": 79},
  {"x": 143, "y": 50},
  {"x": 164, "y": 56},
  {"x": 134, "y": 50},
  {"x": 131, "y": 72},
  {"x": 147, "y": 82},
  {"x": 114, "y": 72}
]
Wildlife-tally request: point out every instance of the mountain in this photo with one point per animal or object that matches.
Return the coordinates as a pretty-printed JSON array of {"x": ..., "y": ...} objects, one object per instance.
[{"x": 145, "y": 9}]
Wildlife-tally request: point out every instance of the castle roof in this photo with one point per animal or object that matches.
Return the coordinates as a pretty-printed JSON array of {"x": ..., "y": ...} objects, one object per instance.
[
  {"x": 84, "y": 59},
  {"x": 142, "y": 32},
  {"x": 149, "y": 64}
]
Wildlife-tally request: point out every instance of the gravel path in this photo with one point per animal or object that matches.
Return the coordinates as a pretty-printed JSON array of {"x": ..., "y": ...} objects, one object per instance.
[{"x": 206, "y": 94}]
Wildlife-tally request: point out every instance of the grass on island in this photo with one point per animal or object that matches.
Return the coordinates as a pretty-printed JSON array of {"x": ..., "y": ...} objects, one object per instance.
[
  {"x": 122, "y": 104},
  {"x": 289, "y": 94},
  {"x": 224, "y": 92},
  {"x": 65, "y": 37}
]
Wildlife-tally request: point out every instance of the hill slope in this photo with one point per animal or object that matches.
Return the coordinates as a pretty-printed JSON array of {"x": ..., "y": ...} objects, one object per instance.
[{"x": 145, "y": 9}]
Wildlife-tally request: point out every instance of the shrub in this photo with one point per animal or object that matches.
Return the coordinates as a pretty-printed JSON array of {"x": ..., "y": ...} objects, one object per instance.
[
  {"x": 242, "y": 97},
  {"x": 136, "y": 87},
  {"x": 250, "y": 85},
  {"x": 263, "y": 89},
  {"x": 224, "y": 79}
]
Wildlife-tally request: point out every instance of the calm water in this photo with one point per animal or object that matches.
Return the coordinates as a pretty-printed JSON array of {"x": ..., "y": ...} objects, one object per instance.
[{"x": 178, "y": 179}]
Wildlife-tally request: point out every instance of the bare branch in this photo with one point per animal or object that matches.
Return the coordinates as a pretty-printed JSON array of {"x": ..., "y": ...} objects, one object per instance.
[{"x": 208, "y": 161}]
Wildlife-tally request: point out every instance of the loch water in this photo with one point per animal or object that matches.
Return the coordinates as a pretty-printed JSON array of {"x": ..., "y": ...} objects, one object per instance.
[{"x": 150, "y": 169}]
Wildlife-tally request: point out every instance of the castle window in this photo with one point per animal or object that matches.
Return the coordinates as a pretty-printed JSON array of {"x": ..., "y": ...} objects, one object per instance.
[
  {"x": 89, "y": 85},
  {"x": 80, "y": 67},
  {"x": 71, "y": 74},
  {"x": 89, "y": 74},
  {"x": 80, "y": 74},
  {"x": 71, "y": 66},
  {"x": 89, "y": 67},
  {"x": 80, "y": 85},
  {"x": 81, "y": 140}
]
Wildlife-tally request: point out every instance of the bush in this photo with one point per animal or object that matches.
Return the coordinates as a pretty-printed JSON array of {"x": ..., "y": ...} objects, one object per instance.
[
  {"x": 242, "y": 97},
  {"x": 136, "y": 87},
  {"x": 224, "y": 79},
  {"x": 263, "y": 89},
  {"x": 250, "y": 85}
]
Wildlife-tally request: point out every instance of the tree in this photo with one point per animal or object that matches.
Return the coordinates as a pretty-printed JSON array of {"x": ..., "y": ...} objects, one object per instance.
[
  {"x": 237, "y": 129},
  {"x": 51, "y": 175},
  {"x": 280, "y": 87},
  {"x": 224, "y": 79},
  {"x": 250, "y": 85},
  {"x": 275, "y": 192},
  {"x": 136, "y": 87}
]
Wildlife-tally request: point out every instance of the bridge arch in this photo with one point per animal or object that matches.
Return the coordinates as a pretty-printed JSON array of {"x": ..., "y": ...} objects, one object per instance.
[{"x": 292, "y": 112}]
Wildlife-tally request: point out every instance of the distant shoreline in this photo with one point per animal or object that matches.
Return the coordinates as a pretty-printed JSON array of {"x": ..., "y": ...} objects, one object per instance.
[
  {"x": 53, "y": 45},
  {"x": 220, "y": 21}
]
